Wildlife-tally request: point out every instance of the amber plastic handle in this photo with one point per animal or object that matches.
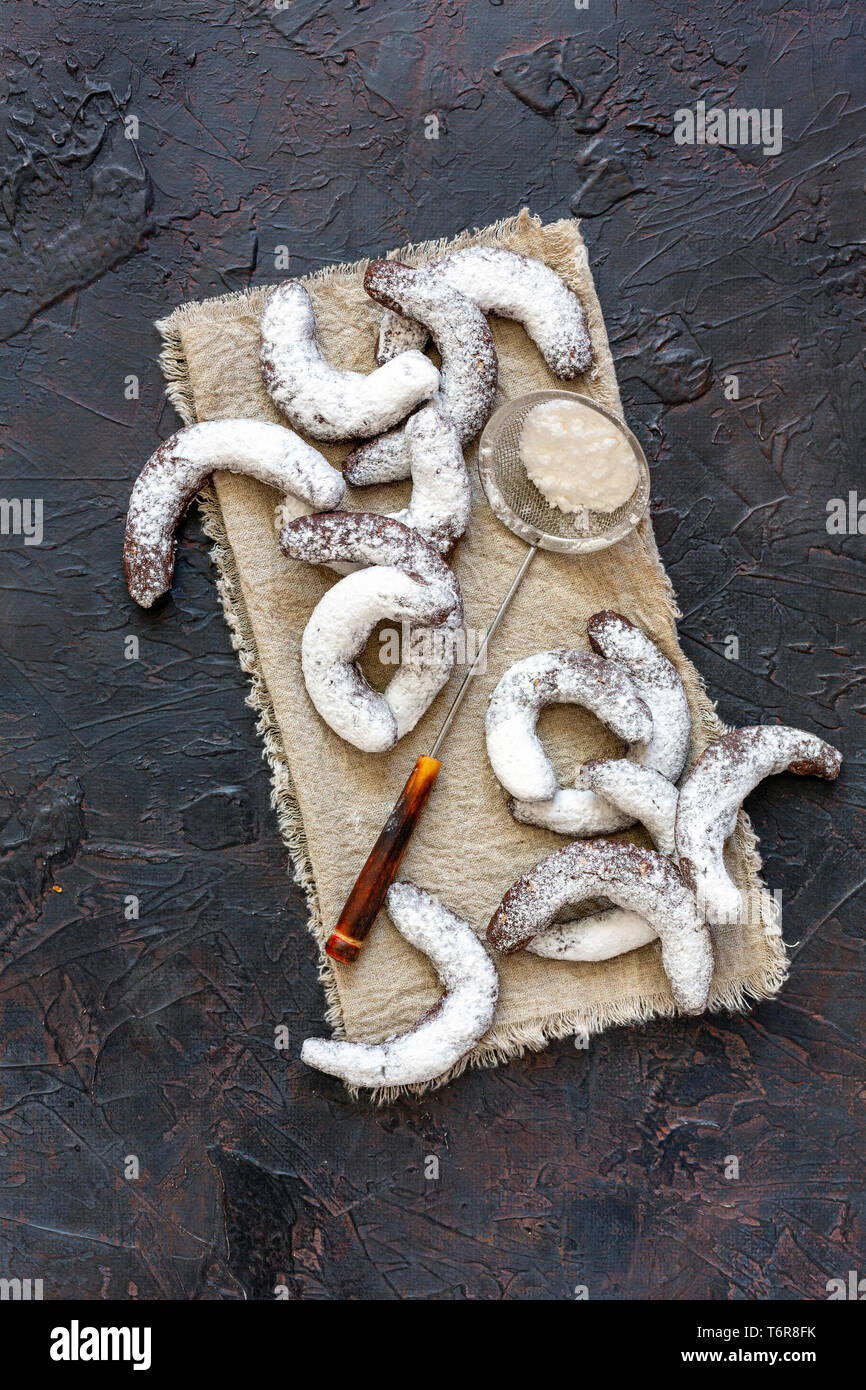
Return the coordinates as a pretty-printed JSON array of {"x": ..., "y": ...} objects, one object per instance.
[{"x": 380, "y": 870}]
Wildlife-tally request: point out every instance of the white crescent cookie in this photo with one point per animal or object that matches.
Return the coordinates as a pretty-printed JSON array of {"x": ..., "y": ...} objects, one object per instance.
[
  {"x": 514, "y": 287},
  {"x": 405, "y": 579},
  {"x": 447, "y": 1032},
  {"x": 597, "y": 936},
  {"x": 441, "y": 500},
  {"x": 649, "y": 798},
  {"x": 468, "y": 374},
  {"x": 658, "y": 684},
  {"x": 639, "y": 880},
  {"x": 561, "y": 676},
  {"x": 320, "y": 400},
  {"x": 714, "y": 791},
  {"x": 181, "y": 467}
]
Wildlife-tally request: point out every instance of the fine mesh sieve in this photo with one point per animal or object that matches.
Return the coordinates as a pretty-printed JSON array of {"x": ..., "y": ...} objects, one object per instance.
[
  {"x": 517, "y": 502},
  {"x": 521, "y": 507}
]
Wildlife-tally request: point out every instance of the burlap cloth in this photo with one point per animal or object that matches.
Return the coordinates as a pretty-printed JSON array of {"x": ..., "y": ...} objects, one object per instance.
[{"x": 331, "y": 799}]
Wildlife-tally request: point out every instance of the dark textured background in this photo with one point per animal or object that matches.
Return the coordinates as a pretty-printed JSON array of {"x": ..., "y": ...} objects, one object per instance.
[{"x": 304, "y": 126}]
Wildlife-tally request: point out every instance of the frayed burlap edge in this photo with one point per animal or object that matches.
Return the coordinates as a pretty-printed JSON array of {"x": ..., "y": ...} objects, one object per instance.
[{"x": 529, "y": 1036}]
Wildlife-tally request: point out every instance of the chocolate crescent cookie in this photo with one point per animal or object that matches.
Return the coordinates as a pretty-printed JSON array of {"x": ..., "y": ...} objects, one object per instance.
[
  {"x": 636, "y": 879},
  {"x": 337, "y": 633},
  {"x": 714, "y": 791},
  {"x": 441, "y": 500},
  {"x": 469, "y": 370},
  {"x": 407, "y": 580},
  {"x": 641, "y": 793},
  {"x": 513, "y": 287},
  {"x": 658, "y": 684},
  {"x": 323, "y": 402},
  {"x": 365, "y": 538},
  {"x": 656, "y": 681},
  {"x": 561, "y": 676},
  {"x": 181, "y": 467},
  {"x": 645, "y": 796},
  {"x": 443, "y": 1035},
  {"x": 598, "y": 936}
]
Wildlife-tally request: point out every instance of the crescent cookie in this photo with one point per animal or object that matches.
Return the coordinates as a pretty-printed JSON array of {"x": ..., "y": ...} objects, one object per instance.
[
  {"x": 516, "y": 755},
  {"x": 469, "y": 370},
  {"x": 365, "y": 538},
  {"x": 441, "y": 500},
  {"x": 643, "y": 795},
  {"x": 323, "y": 402},
  {"x": 658, "y": 684},
  {"x": 513, "y": 287},
  {"x": 636, "y": 879},
  {"x": 598, "y": 936},
  {"x": 181, "y": 467},
  {"x": 335, "y": 636},
  {"x": 445, "y": 1033},
  {"x": 712, "y": 794},
  {"x": 406, "y": 580}
]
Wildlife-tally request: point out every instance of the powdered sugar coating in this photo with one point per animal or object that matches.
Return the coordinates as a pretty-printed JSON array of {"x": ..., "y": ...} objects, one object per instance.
[
  {"x": 597, "y": 936},
  {"x": 365, "y": 538},
  {"x": 469, "y": 370},
  {"x": 639, "y": 792},
  {"x": 516, "y": 755},
  {"x": 714, "y": 791},
  {"x": 443, "y": 1035},
  {"x": 397, "y": 334},
  {"x": 643, "y": 795},
  {"x": 577, "y": 458},
  {"x": 336, "y": 634},
  {"x": 514, "y": 287},
  {"x": 571, "y": 810},
  {"x": 658, "y": 684},
  {"x": 441, "y": 500},
  {"x": 641, "y": 881},
  {"x": 347, "y": 614},
  {"x": 181, "y": 466},
  {"x": 320, "y": 400}
]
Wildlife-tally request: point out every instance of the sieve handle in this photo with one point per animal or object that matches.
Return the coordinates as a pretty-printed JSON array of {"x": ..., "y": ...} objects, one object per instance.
[
  {"x": 374, "y": 880},
  {"x": 482, "y": 650}
]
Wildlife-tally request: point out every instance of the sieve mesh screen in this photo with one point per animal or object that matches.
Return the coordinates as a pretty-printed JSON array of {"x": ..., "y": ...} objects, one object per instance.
[{"x": 517, "y": 502}]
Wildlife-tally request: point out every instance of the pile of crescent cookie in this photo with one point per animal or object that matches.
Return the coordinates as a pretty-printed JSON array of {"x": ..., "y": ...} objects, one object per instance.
[{"x": 414, "y": 421}]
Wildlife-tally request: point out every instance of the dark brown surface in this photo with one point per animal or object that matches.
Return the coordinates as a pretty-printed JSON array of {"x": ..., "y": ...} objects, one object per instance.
[{"x": 305, "y": 127}]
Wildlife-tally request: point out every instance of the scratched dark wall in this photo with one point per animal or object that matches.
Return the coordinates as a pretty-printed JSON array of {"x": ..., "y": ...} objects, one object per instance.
[{"x": 304, "y": 126}]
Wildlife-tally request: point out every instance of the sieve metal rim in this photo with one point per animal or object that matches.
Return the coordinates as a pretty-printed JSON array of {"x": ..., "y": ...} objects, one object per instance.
[{"x": 565, "y": 545}]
